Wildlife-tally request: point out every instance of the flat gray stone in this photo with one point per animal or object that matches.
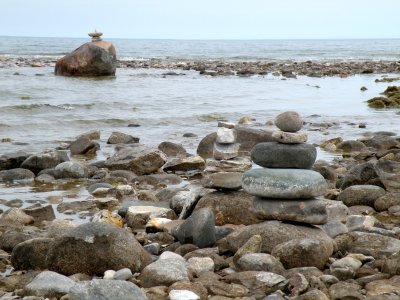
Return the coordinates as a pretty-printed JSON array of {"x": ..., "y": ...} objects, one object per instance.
[
  {"x": 223, "y": 180},
  {"x": 307, "y": 211},
  {"x": 284, "y": 183},
  {"x": 276, "y": 155},
  {"x": 290, "y": 137},
  {"x": 49, "y": 284}
]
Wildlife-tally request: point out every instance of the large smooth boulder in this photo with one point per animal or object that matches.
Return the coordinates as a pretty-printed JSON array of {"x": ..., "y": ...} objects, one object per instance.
[
  {"x": 140, "y": 160},
  {"x": 101, "y": 289},
  {"x": 307, "y": 211},
  {"x": 277, "y": 155},
  {"x": 274, "y": 233},
  {"x": 229, "y": 207},
  {"x": 31, "y": 254},
  {"x": 90, "y": 59},
  {"x": 94, "y": 248},
  {"x": 284, "y": 183}
]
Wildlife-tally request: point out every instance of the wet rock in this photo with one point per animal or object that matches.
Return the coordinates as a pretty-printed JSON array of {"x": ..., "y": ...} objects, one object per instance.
[
  {"x": 361, "y": 195},
  {"x": 185, "y": 164},
  {"x": 259, "y": 262},
  {"x": 307, "y": 211},
  {"x": 90, "y": 59},
  {"x": 306, "y": 252},
  {"x": 12, "y": 160},
  {"x": 40, "y": 213},
  {"x": 198, "y": 229},
  {"x": 93, "y": 248},
  {"x": 284, "y": 183},
  {"x": 50, "y": 285},
  {"x": 71, "y": 169},
  {"x": 122, "y": 138},
  {"x": 290, "y": 137},
  {"x": 99, "y": 185},
  {"x": 172, "y": 149},
  {"x": 138, "y": 216},
  {"x": 139, "y": 160},
  {"x": 289, "y": 121},
  {"x": 223, "y": 180},
  {"x": 45, "y": 160},
  {"x": 229, "y": 207},
  {"x": 31, "y": 254},
  {"x": 101, "y": 289},
  {"x": 164, "y": 272},
  {"x": 83, "y": 145},
  {"x": 17, "y": 175},
  {"x": 276, "y": 155},
  {"x": 274, "y": 233},
  {"x": 389, "y": 174}
]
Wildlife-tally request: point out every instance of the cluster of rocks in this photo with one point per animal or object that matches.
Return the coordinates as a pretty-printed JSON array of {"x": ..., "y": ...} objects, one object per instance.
[
  {"x": 153, "y": 235},
  {"x": 390, "y": 99}
]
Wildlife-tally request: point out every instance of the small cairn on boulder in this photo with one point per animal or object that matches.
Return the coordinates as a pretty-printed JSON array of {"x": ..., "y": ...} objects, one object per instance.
[
  {"x": 226, "y": 169},
  {"x": 96, "y": 58},
  {"x": 285, "y": 188}
]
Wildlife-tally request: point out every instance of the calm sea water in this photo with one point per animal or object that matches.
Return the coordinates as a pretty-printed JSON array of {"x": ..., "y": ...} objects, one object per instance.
[{"x": 39, "y": 110}]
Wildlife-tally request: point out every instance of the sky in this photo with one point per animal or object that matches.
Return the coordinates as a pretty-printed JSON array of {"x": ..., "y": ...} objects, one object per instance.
[{"x": 205, "y": 19}]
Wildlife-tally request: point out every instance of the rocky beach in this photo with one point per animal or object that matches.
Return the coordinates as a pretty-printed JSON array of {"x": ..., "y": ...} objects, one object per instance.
[{"x": 246, "y": 201}]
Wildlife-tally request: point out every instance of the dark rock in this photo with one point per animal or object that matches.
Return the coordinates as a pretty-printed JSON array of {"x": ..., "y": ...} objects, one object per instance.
[
  {"x": 122, "y": 138},
  {"x": 83, "y": 145},
  {"x": 386, "y": 201},
  {"x": 360, "y": 174},
  {"x": 94, "y": 248},
  {"x": 361, "y": 195},
  {"x": 12, "y": 160},
  {"x": 351, "y": 146},
  {"x": 185, "y": 164},
  {"x": 40, "y": 213},
  {"x": 198, "y": 229},
  {"x": 389, "y": 174},
  {"x": 372, "y": 244},
  {"x": 276, "y": 155},
  {"x": 172, "y": 149},
  {"x": 140, "y": 160},
  {"x": 90, "y": 59},
  {"x": 10, "y": 239},
  {"x": 17, "y": 175},
  {"x": 31, "y": 254},
  {"x": 307, "y": 211},
  {"x": 229, "y": 207},
  {"x": 45, "y": 160}
]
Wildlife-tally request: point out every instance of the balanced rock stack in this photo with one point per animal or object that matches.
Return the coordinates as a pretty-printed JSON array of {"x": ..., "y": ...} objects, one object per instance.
[
  {"x": 226, "y": 169},
  {"x": 285, "y": 188}
]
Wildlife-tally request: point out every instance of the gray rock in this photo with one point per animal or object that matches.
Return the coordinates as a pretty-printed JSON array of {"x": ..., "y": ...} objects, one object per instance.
[
  {"x": 49, "y": 284},
  {"x": 334, "y": 228},
  {"x": 12, "y": 160},
  {"x": 237, "y": 164},
  {"x": 361, "y": 195},
  {"x": 123, "y": 274},
  {"x": 137, "y": 216},
  {"x": 17, "y": 175},
  {"x": 9, "y": 239},
  {"x": 172, "y": 149},
  {"x": 122, "y": 138},
  {"x": 83, "y": 145},
  {"x": 99, "y": 185},
  {"x": 274, "y": 233},
  {"x": 45, "y": 160},
  {"x": 284, "y": 183},
  {"x": 90, "y": 59},
  {"x": 360, "y": 223},
  {"x": 307, "y": 211},
  {"x": 15, "y": 217},
  {"x": 31, "y": 254},
  {"x": 345, "y": 290},
  {"x": 387, "y": 200},
  {"x": 93, "y": 248},
  {"x": 246, "y": 137},
  {"x": 198, "y": 229},
  {"x": 225, "y": 151},
  {"x": 351, "y": 146},
  {"x": 289, "y": 121},
  {"x": 313, "y": 295},
  {"x": 345, "y": 268},
  {"x": 360, "y": 174},
  {"x": 183, "y": 295},
  {"x": 139, "y": 160},
  {"x": 71, "y": 169},
  {"x": 198, "y": 265},
  {"x": 276, "y": 155},
  {"x": 40, "y": 213},
  {"x": 373, "y": 244},
  {"x": 91, "y": 135},
  {"x": 101, "y": 289},
  {"x": 260, "y": 262},
  {"x": 391, "y": 265},
  {"x": 164, "y": 272},
  {"x": 223, "y": 180},
  {"x": 229, "y": 207},
  {"x": 389, "y": 174},
  {"x": 305, "y": 252},
  {"x": 185, "y": 164},
  {"x": 226, "y": 136},
  {"x": 290, "y": 137}
]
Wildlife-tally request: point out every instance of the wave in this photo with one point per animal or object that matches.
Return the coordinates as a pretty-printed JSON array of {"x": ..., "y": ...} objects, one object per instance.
[{"x": 44, "y": 107}]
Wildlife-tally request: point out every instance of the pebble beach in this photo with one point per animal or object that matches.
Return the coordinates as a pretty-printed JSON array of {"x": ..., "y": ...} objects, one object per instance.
[{"x": 193, "y": 178}]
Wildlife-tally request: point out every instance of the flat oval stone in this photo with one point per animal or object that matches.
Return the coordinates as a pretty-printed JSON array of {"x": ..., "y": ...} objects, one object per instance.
[
  {"x": 284, "y": 183},
  {"x": 277, "y": 155}
]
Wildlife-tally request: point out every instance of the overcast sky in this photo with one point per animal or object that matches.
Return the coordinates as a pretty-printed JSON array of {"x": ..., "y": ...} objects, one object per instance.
[{"x": 202, "y": 19}]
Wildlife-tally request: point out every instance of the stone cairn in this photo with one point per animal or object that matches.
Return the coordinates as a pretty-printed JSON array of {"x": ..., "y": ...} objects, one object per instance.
[
  {"x": 225, "y": 170},
  {"x": 285, "y": 188},
  {"x": 96, "y": 36}
]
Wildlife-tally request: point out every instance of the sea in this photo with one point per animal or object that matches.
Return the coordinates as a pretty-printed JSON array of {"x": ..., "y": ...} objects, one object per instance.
[{"x": 40, "y": 111}]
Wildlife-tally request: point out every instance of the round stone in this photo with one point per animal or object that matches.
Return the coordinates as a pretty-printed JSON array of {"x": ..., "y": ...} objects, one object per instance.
[
  {"x": 289, "y": 121},
  {"x": 276, "y": 155},
  {"x": 284, "y": 183}
]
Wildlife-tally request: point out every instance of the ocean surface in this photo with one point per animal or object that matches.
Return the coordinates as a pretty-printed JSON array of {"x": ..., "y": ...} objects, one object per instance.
[{"x": 39, "y": 111}]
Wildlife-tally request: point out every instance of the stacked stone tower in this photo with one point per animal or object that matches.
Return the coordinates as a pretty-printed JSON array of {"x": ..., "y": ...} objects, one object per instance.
[{"x": 285, "y": 188}]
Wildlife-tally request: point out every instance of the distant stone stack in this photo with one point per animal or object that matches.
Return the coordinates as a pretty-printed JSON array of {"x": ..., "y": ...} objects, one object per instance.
[
  {"x": 226, "y": 169},
  {"x": 285, "y": 188}
]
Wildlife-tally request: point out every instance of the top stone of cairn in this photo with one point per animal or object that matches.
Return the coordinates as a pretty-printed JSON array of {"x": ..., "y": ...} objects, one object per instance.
[
  {"x": 289, "y": 121},
  {"x": 96, "y": 36}
]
